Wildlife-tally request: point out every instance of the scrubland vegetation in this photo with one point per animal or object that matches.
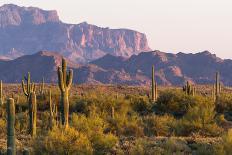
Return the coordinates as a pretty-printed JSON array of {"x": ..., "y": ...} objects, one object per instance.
[{"x": 118, "y": 120}]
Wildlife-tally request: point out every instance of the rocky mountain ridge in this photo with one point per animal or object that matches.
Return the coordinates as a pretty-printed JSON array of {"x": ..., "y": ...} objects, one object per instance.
[
  {"x": 171, "y": 69},
  {"x": 25, "y": 30}
]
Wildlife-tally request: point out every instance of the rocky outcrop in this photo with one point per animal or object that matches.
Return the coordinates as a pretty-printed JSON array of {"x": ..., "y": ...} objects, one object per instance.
[{"x": 25, "y": 30}]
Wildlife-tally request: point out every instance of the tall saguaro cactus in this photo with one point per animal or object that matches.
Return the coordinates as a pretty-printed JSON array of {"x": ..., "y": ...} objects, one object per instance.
[
  {"x": 53, "y": 111},
  {"x": 32, "y": 114},
  {"x": 65, "y": 82},
  {"x": 217, "y": 87},
  {"x": 189, "y": 89},
  {"x": 154, "y": 89},
  {"x": 29, "y": 87},
  {"x": 1, "y": 95},
  {"x": 11, "y": 147},
  {"x": 41, "y": 87}
]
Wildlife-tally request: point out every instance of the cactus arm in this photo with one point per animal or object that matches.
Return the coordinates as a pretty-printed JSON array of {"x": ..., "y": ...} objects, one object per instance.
[
  {"x": 69, "y": 79},
  {"x": 24, "y": 89},
  {"x": 61, "y": 79},
  {"x": 33, "y": 87}
]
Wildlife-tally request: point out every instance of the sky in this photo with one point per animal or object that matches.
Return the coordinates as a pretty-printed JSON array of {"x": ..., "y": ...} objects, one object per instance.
[{"x": 188, "y": 26}]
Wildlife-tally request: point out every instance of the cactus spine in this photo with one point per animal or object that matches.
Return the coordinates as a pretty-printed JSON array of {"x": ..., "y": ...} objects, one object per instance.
[
  {"x": 29, "y": 87},
  {"x": 189, "y": 89},
  {"x": 154, "y": 89},
  {"x": 65, "y": 82},
  {"x": 32, "y": 114},
  {"x": 11, "y": 148}
]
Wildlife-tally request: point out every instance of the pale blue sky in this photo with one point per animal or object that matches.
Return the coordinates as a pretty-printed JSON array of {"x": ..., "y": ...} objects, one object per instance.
[{"x": 170, "y": 25}]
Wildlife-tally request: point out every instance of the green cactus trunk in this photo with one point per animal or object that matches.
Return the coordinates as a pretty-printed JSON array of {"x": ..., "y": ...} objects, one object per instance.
[
  {"x": 154, "y": 91},
  {"x": 41, "y": 88},
  {"x": 11, "y": 147},
  {"x": 189, "y": 89},
  {"x": 112, "y": 112},
  {"x": 32, "y": 114},
  {"x": 217, "y": 87},
  {"x": 65, "y": 82},
  {"x": 65, "y": 108},
  {"x": 1, "y": 95},
  {"x": 53, "y": 111}
]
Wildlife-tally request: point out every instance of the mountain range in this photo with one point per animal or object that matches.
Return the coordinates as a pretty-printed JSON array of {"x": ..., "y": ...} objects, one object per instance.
[
  {"x": 27, "y": 30},
  {"x": 170, "y": 69},
  {"x": 97, "y": 55}
]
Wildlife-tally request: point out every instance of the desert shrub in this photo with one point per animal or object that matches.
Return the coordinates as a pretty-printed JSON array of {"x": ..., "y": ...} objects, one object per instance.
[
  {"x": 103, "y": 143},
  {"x": 88, "y": 125},
  {"x": 61, "y": 142},
  {"x": 155, "y": 125},
  {"x": 144, "y": 147},
  {"x": 2, "y": 126},
  {"x": 141, "y": 105},
  {"x": 206, "y": 149},
  {"x": 21, "y": 122},
  {"x": 174, "y": 102},
  {"x": 175, "y": 146},
  {"x": 227, "y": 142},
  {"x": 224, "y": 103},
  {"x": 199, "y": 119},
  {"x": 80, "y": 106}
]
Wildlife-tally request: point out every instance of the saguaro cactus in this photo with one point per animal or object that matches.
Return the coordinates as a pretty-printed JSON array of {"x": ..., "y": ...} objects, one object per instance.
[
  {"x": 112, "y": 112},
  {"x": 41, "y": 87},
  {"x": 154, "y": 89},
  {"x": 32, "y": 114},
  {"x": 65, "y": 82},
  {"x": 217, "y": 87},
  {"x": 1, "y": 95},
  {"x": 29, "y": 87},
  {"x": 189, "y": 89},
  {"x": 53, "y": 111},
  {"x": 11, "y": 148}
]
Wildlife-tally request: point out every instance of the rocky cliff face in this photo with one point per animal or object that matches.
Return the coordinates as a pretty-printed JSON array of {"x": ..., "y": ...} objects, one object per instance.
[{"x": 28, "y": 30}]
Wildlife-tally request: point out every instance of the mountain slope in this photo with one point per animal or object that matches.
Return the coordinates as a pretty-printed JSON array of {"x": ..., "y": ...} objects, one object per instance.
[
  {"x": 172, "y": 69},
  {"x": 26, "y": 30}
]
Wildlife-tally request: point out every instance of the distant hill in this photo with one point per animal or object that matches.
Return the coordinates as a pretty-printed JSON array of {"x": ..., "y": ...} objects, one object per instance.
[
  {"x": 171, "y": 69},
  {"x": 25, "y": 30}
]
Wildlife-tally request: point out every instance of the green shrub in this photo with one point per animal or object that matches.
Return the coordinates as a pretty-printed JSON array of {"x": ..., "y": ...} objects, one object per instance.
[
  {"x": 88, "y": 125},
  {"x": 145, "y": 147},
  {"x": 103, "y": 143},
  {"x": 2, "y": 126},
  {"x": 175, "y": 146},
  {"x": 174, "y": 102},
  {"x": 61, "y": 142},
  {"x": 225, "y": 103},
  {"x": 141, "y": 105},
  {"x": 227, "y": 142},
  {"x": 199, "y": 119},
  {"x": 155, "y": 125}
]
